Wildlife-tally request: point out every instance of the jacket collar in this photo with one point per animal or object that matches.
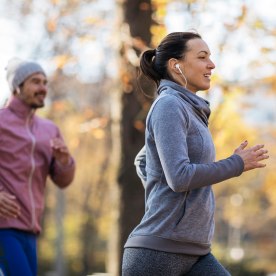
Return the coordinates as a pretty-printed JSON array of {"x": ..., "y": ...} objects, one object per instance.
[
  {"x": 21, "y": 109},
  {"x": 199, "y": 105}
]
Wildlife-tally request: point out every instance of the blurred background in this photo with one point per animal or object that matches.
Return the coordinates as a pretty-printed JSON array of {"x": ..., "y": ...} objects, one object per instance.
[{"x": 90, "y": 50}]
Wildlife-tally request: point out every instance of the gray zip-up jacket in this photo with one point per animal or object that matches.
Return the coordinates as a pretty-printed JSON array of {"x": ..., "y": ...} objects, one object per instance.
[{"x": 177, "y": 167}]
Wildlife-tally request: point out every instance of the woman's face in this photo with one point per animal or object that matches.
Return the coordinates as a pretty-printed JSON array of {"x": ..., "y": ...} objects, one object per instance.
[{"x": 197, "y": 65}]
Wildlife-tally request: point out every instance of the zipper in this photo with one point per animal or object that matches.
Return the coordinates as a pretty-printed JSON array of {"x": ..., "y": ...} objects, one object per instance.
[
  {"x": 184, "y": 208},
  {"x": 30, "y": 179}
]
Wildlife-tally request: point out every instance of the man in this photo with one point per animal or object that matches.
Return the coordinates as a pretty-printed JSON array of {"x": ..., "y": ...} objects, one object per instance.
[{"x": 31, "y": 148}]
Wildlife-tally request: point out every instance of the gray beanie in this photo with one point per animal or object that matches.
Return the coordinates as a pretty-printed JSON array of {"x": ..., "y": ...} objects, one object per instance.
[{"x": 19, "y": 70}]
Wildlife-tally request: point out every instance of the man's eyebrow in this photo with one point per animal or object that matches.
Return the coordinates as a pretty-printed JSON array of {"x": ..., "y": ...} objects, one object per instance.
[
  {"x": 36, "y": 78},
  {"x": 203, "y": 51}
]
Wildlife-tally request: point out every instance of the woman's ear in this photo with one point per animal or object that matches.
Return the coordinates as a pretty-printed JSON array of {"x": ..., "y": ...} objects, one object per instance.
[{"x": 173, "y": 65}]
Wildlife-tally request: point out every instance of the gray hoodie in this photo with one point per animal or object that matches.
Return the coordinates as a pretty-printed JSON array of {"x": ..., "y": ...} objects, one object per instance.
[{"x": 177, "y": 167}]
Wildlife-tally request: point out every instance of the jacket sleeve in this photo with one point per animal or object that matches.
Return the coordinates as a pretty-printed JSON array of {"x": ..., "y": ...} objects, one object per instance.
[
  {"x": 140, "y": 164},
  {"x": 62, "y": 175},
  {"x": 168, "y": 125}
]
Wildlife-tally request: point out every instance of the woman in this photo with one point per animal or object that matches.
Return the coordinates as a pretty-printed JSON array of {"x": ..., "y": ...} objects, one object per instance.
[{"x": 174, "y": 236}]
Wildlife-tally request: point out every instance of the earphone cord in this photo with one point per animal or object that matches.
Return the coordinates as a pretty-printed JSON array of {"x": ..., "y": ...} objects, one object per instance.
[{"x": 184, "y": 79}]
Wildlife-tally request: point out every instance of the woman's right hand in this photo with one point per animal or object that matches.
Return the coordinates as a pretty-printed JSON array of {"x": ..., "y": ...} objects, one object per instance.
[
  {"x": 252, "y": 156},
  {"x": 9, "y": 208}
]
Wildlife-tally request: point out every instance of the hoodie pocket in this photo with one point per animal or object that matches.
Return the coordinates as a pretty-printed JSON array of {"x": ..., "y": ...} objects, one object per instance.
[
  {"x": 183, "y": 208},
  {"x": 197, "y": 222}
]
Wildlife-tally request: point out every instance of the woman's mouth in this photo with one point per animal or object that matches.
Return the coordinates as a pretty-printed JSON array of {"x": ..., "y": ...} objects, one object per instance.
[{"x": 208, "y": 76}]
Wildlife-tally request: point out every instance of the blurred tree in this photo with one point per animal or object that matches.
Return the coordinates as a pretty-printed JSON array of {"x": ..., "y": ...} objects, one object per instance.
[{"x": 135, "y": 38}]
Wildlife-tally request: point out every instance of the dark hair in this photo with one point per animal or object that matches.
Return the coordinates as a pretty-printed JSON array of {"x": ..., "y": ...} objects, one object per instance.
[{"x": 153, "y": 63}]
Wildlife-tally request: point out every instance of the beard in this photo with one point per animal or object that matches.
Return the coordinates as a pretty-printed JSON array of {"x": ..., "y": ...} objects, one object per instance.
[
  {"x": 38, "y": 101},
  {"x": 34, "y": 105}
]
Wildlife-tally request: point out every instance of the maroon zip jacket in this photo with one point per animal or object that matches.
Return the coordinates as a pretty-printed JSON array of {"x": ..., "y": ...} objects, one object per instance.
[{"x": 25, "y": 162}]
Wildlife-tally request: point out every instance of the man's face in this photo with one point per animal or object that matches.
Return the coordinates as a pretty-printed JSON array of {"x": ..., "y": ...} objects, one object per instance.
[{"x": 33, "y": 91}]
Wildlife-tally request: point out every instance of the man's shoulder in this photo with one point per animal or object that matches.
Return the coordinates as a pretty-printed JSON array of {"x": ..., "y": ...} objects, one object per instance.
[
  {"x": 3, "y": 109},
  {"x": 46, "y": 122},
  {"x": 3, "y": 113}
]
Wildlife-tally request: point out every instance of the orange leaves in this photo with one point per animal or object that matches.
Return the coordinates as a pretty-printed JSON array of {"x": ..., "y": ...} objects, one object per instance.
[
  {"x": 92, "y": 20},
  {"x": 96, "y": 126},
  {"x": 144, "y": 6},
  {"x": 61, "y": 60},
  {"x": 242, "y": 17},
  {"x": 55, "y": 2},
  {"x": 58, "y": 106},
  {"x": 271, "y": 83},
  {"x": 126, "y": 81},
  {"x": 51, "y": 25}
]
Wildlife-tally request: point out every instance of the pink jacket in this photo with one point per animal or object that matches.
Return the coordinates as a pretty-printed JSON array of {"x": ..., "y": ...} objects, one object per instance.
[{"x": 25, "y": 162}]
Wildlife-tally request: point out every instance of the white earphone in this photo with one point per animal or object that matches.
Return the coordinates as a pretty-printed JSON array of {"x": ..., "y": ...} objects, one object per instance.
[{"x": 178, "y": 67}]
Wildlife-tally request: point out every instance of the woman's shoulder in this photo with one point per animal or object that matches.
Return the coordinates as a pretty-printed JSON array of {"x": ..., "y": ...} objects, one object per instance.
[
  {"x": 168, "y": 106},
  {"x": 169, "y": 99}
]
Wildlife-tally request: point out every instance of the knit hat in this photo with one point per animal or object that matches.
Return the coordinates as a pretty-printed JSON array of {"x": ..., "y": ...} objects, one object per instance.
[{"x": 19, "y": 70}]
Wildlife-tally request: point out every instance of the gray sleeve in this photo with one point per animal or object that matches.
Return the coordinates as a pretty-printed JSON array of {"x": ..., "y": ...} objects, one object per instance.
[
  {"x": 140, "y": 164},
  {"x": 168, "y": 124}
]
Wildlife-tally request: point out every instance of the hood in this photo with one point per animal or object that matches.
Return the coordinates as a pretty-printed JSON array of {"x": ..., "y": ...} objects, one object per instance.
[{"x": 198, "y": 104}]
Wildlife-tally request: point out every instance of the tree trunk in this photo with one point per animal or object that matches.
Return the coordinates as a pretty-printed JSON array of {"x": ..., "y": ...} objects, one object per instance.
[{"x": 134, "y": 104}]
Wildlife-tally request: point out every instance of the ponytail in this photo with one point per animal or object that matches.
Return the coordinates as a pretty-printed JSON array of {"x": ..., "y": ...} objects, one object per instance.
[{"x": 147, "y": 66}]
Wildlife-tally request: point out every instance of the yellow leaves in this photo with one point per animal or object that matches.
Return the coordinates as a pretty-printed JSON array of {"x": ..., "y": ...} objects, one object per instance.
[
  {"x": 216, "y": 79},
  {"x": 158, "y": 31},
  {"x": 191, "y": 1},
  {"x": 159, "y": 3},
  {"x": 266, "y": 50},
  {"x": 74, "y": 143},
  {"x": 92, "y": 20},
  {"x": 98, "y": 133},
  {"x": 88, "y": 38},
  {"x": 61, "y": 60},
  {"x": 226, "y": 119},
  {"x": 270, "y": 187},
  {"x": 45, "y": 248},
  {"x": 258, "y": 24},
  {"x": 161, "y": 12}
]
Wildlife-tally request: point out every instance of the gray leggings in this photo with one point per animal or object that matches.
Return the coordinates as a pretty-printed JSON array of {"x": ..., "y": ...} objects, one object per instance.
[{"x": 148, "y": 262}]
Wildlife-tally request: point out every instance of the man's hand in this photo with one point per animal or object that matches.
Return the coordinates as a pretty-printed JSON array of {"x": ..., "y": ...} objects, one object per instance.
[
  {"x": 252, "y": 156},
  {"x": 9, "y": 208},
  {"x": 60, "y": 151}
]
